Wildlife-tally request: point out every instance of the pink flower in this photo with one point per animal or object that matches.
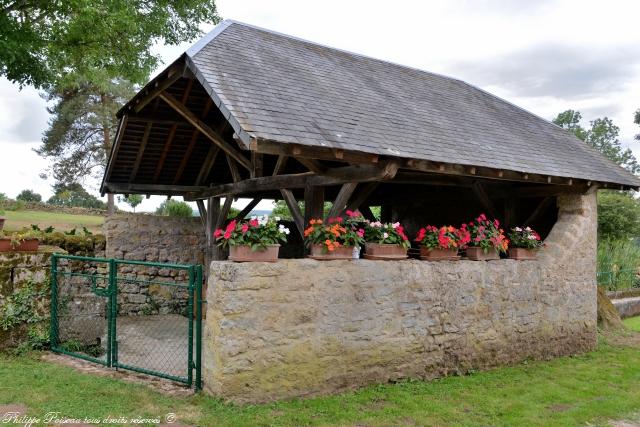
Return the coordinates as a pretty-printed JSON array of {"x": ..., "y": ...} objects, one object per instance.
[
  {"x": 245, "y": 228},
  {"x": 217, "y": 233},
  {"x": 361, "y": 232},
  {"x": 227, "y": 234}
]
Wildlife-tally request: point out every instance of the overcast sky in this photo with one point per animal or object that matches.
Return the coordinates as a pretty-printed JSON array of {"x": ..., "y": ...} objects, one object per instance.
[{"x": 546, "y": 56}]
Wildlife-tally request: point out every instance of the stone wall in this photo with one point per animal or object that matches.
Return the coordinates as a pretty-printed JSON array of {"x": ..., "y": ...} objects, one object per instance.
[
  {"x": 157, "y": 239},
  {"x": 304, "y": 327}
]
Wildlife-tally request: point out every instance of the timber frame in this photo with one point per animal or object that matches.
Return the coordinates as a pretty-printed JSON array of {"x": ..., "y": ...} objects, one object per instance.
[{"x": 176, "y": 139}]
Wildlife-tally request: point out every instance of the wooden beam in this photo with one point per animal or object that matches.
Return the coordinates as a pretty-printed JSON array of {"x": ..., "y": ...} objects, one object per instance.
[
  {"x": 207, "y": 164},
  {"x": 362, "y": 195},
  {"x": 143, "y": 146},
  {"x": 292, "y": 204},
  {"x": 173, "y": 75},
  {"x": 213, "y": 211},
  {"x": 313, "y": 203},
  {"x": 367, "y": 213},
  {"x": 340, "y": 203},
  {"x": 247, "y": 209},
  {"x": 205, "y": 129},
  {"x": 311, "y": 164},
  {"x": 165, "y": 150},
  {"x": 309, "y": 152},
  {"x": 337, "y": 176},
  {"x": 281, "y": 163},
  {"x": 478, "y": 189},
  {"x": 160, "y": 189},
  {"x": 224, "y": 212},
  {"x": 192, "y": 143},
  {"x": 509, "y": 213},
  {"x": 256, "y": 165},
  {"x": 233, "y": 168},
  {"x": 542, "y": 206},
  {"x": 116, "y": 145}
]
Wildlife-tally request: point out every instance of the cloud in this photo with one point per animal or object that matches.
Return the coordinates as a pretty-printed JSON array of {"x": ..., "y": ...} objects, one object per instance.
[
  {"x": 556, "y": 70},
  {"x": 23, "y": 114}
]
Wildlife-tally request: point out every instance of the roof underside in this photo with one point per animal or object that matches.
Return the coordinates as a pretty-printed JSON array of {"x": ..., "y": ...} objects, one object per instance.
[{"x": 263, "y": 86}]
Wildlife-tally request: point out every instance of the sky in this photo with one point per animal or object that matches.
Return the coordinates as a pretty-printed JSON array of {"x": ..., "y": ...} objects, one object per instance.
[{"x": 546, "y": 56}]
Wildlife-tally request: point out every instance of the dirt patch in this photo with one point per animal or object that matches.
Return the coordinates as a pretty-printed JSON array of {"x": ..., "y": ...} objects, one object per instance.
[
  {"x": 159, "y": 384},
  {"x": 625, "y": 337},
  {"x": 12, "y": 409},
  {"x": 559, "y": 408}
]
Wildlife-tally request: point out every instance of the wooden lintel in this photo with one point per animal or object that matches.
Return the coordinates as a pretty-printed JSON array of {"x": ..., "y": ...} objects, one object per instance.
[
  {"x": 337, "y": 176},
  {"x": 294, "y": 208},
  {"x": 205, "y": 129},
  {"x": 159, "y": 189},
  {"x": 340, "y": 203}
]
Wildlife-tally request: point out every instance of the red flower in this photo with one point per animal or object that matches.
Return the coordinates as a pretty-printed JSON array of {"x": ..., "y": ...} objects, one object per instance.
[
  {"x": 217, "y": 233},
  {"x": 253, "y": 223},
  {"x": 245, "y": 228},
  {"x": 227, "y": 234},
  {"x": 352, "y": 214},
  {"x": 231, "y": 226}
]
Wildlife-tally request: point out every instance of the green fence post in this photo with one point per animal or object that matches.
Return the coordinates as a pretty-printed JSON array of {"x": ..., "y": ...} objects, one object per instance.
[
  {"x": 190, "y": 365},
  {"x": 199, "y": 327},
  {"x": 112, "y": 353},
  {"x": 53, "y": 331}
]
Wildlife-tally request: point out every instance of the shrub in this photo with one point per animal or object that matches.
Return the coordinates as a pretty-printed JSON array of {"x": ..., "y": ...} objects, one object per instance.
[
  {"x": 175, "y": 208},
  {"x": 618, "y": 215},
  {"x": 29, "y": 196},
  {"x": 618, "y": 262}
]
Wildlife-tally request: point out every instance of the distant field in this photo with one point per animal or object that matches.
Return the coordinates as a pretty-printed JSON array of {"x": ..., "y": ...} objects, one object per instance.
[{"x": 15, "y": 220}]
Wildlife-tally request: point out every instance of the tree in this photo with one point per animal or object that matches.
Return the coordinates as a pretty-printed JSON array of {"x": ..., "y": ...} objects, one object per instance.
[
  {"x": 133, "y": 200},
  {"x": 618, "y": 215},
  {"x": 603, "y": 136},
  {"x": 78, "y": 140},
  {"x": 280, "y": 209},
  {"x": 74, "y": 195},
  {"x": 174, "y": 208},
  {"x": 636, "y": 120},
  {"x": 29, "y": 196},
  {"x": 52, "y": 42}
]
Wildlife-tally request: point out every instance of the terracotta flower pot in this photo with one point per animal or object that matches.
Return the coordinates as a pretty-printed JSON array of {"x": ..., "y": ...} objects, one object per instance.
[
  {"x": 341, "y": 252},
  {"x": 27, "y": 245},
  {"x": 2, "y": 223},
  {"x": 439, "y": 254},
  {"x": 384, "y": 251},
  {"x": 477, "y": 254},
  {"x": 522, "y": 254},
  {"x": 243, "y": 253}
]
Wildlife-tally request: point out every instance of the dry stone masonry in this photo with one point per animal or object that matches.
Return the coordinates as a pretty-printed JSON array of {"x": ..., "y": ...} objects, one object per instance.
[
  {"x": 303, "y": 327},
  {"x": 156, "y": 239}
]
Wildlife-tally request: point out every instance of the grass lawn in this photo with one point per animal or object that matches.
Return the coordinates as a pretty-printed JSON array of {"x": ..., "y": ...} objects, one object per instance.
[
  {"x": 633, "y": 323},
  {"x": 591, "y": 388},
  {"x": 61, "y": 221}
]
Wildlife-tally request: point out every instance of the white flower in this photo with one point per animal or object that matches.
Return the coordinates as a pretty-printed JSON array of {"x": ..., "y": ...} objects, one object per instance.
[
  {"x": 278, "y": 218},
  {"x": 528, "y": 228},
  {"x": 518, "y": 229},
  {"x": 376, "y": 224},
  {"x": 531, "y": 237},
  {"x": 395, "y": 225},
  {"x": 385, "y": 235}
]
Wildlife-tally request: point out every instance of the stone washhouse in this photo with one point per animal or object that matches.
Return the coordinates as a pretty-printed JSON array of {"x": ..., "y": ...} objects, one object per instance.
[{"x": 250, "y": 113}]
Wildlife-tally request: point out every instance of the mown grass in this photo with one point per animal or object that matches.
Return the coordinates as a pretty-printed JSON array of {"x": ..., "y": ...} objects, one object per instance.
[
  {"x": 633, "y": 323},
  {"x": 591, "y": 388},
  {"x": 16, "y": 220}
]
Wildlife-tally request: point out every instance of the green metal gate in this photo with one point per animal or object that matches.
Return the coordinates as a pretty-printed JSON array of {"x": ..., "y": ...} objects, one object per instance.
[{"x": 141, "y": 316}]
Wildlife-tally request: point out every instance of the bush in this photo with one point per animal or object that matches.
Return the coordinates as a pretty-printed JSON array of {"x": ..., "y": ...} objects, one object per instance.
[
  {"x": 618, "y": 215},
  {"x": 175, "y": 208},
  {"x": 618, "y": 262},
  {"x": 29, "y": 196}
]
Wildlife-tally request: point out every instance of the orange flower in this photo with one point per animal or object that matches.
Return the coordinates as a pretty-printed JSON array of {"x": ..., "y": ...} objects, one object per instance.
[
  {"x": 318, "y": 221},
  {"x": 308, "y": 231},
  {"x": 313, "y": 221}
]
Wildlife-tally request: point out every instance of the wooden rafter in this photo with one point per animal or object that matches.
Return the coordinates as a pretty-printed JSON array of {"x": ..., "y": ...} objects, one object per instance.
[
  {"x": 207, "y": 164},
  {"x": 173, "y": 75},
  {"x": 136, "y": 188},
  {"x": 292, "y": 204},
  {"x": 233, "y": 168},
  {"x": 192, "y": 143},
  {"x": 340, "y": 203},
  {"x": 205, "y": 129},
  {"x": 309, "y": 152},
  {"x": 362, "y": 195},
  {"x": 143, "y": 145},
  {"x": 312, "y": 165}
]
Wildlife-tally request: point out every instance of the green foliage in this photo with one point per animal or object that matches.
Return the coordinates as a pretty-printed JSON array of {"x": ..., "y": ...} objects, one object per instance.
[
  {"x": 618, "y": 215},
  {"x": 174, "y": 208},
  {"x": 74, "y": 195},
  {"x": 132, "y": 200},
  {"x": 280, "y": 209},
  {"x": 603, "y": 136},
  {"x": 29, "y": 196},
  {"x": 85, "y": 244},
  {"x": 18, "y": 205},
  {"x": 618, "y": 263},
  {"x": 26, "y": 305},
  {"x": 51, "y": 42},
  {"x": 636, "y": 120},
  {"x": 75, "y": 346}
]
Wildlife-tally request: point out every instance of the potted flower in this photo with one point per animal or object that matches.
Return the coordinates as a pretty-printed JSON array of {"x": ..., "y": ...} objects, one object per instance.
[
  {"x": 487, "y": 239},
  {"x": 524, "y": 244},
  {"x": 24, "y": 241},
  {"x": 385, "y": 241},
  {"x": 441, "y": 244},
  {"x": 335, "y": 239},
  {"x": 254, "y": 240}
]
